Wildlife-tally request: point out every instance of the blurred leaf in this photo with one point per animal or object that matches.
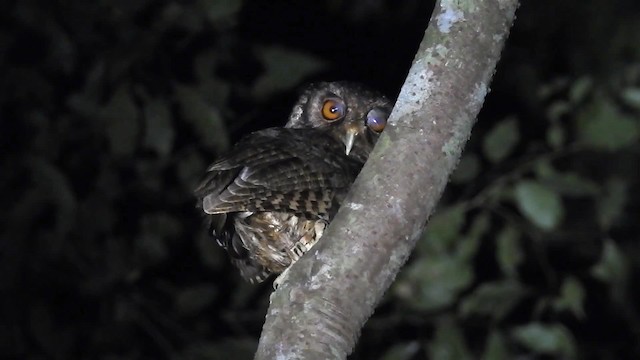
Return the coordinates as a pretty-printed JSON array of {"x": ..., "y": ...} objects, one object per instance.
[
  {"x": 509, "y": 251},
  {"x": 482, "y": 301},
  {"x": 496, "y": 347},
  {"x": 445, "y": 268},
  {"x": 556, "y": 136},
  {"x": 151, "y": 249},
  {"x": 611, "y": 204},
  {"x": 220, "y": 10},
  {"x": 557, "y": 110},
  {"x": 215, "y": 91},
  {"x": 468, "y": 245},
  {"x": 237, "y": 348},
  {"x": 602, "y": 126},
  {"x": 467, "y": 170},
  {"x": 403, "y": 351},
  {"x": 211, "y": 254},
  {"x": 149, "y": 173},
  {"x": 580, "y": 89},
  {"x": 46, "y": 332},
  {"x": 554, "y": 340},
  {"x": 571, "y": 297},
  {"x": 544, "y": 169},
  {"x": 54, "y": 187},
  {"x": 190, "y": 166},
  {"x": 631, "y": 97},
  {"x": 449, "y": 342},
  {"x": 121, "y": 119},
  {"x": 443, "y": 230},
  {"x": 612, "y": 267},
  {"x": 539, "y": 204},
  {"x": 193, "y": 299},
  {"x": 159, "y": 133},
  {"x": 156, "y": 229},
  {"x": 572, "y": 184},
  {"x": 430, "y": 284},
  {"x": 285, "y": 68},
  {"x": 206, "y": 120},
  {"x": 552, "y": 88},
  {"x": 501, "y": 140}
]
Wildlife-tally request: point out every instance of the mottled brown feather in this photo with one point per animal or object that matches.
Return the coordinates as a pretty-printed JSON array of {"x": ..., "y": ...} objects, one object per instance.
[{"x": 269, "y": 199}]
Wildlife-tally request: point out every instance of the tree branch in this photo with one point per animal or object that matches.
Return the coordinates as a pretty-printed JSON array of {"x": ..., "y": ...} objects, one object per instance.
[{"x": 318, "y": 311}]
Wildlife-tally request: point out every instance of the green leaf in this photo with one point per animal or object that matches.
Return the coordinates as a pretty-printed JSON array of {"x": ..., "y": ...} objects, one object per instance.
[
  {"x": 442, "y": 231},
  {"x": 449, "y": 342},
  {"x": 545, "y": 339},
  {"x": 56, "y": 189},
  {"x": 192, "y": 300},
  {"x": 468, "y": 246},
  {"x": 189, "y": 168},
  {"x": 482, "y": 301},
  {"x": 236, "y": 348},
  {"x": 159, "y": 134},
  {"x": 509, "y": 251},
  {"x": 285, "y": 68},
  {"x": 403, "y": 351},
  {"x": 557, "y": 110},
  {"x": 156, "y": 229},
  {"x": 580, "y": 89},
  {"x": 539, "y": 204},
  {"x": 501, "y": 140},
  {"x": 571, "y": 298},
  {"x": 544, "y": 169},
  {"x": 467, "y": 170},
  {"x": 613, "y": 269},
  {"x": 430, "y": 284},
  {"x": 631, "y": 97},
  {"x": 552, "y": 88},
  {"x": 603, "y": 127},
  {"x": 556, "y": 136},
  {"x": 120, "y": 116},
  {"x": 496, "y": 348},
  {"x": 572, "y": 184},
  {"x": 612, "y": 202},
  {"x": 220, "y": 11},
  {"x": 612, "y": 266},
  {"x": 206, "y": 119}
]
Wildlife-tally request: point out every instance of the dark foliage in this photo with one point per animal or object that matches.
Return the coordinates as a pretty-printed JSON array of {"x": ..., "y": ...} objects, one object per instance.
[{"x": 111, "y": 110}]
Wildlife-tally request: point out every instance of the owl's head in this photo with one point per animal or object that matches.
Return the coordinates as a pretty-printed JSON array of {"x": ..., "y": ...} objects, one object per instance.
[{"x": 348, "y": 112}]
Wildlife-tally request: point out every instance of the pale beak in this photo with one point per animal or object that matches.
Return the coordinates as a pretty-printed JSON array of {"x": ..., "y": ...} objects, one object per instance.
[{"x": 349, "y": 138}]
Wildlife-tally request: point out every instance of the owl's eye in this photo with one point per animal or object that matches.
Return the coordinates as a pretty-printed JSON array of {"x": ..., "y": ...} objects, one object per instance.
[
  {"x": 333, "y": 109},
  {"x": 376, "y": 120}
]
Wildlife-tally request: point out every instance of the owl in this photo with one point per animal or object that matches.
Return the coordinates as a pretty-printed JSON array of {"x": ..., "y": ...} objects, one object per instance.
[{"x": 269, "y": 199}]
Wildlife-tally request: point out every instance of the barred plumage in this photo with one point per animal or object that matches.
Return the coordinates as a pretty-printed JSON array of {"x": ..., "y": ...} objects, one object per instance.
[{"x": 269, "y": 199}]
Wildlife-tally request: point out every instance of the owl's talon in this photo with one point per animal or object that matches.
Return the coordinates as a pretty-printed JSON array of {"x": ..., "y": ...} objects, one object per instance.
[{"x": 278, "y": 281}]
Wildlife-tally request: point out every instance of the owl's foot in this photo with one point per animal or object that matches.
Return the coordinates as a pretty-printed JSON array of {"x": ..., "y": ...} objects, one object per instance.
[
  {"x": 283, "y": 275},
  {"x": 300, "y": 248}
]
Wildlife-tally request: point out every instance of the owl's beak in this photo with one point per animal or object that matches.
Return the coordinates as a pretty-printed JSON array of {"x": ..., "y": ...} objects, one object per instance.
[{"x": 349, "y": 138}]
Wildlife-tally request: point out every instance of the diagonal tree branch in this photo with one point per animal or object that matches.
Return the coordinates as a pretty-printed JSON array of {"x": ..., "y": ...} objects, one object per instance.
[{"x": 318, "y": 311}]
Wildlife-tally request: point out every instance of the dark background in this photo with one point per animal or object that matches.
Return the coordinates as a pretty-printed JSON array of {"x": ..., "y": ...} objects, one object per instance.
[{"x": 111, "y": 110}]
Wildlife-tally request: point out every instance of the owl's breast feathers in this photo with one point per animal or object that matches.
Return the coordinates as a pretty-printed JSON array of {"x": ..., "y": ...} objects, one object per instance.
[{"x": 275, "y": 191}]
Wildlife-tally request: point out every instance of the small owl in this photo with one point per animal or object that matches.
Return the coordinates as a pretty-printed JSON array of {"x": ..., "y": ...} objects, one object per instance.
[{"x": 270, "y": 198}]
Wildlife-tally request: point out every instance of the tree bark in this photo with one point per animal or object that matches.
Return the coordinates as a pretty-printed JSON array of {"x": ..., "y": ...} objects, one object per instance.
[{"x": 319, "y": 309}]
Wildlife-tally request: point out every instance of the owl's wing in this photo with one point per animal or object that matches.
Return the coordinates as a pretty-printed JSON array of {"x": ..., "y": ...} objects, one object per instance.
[{"x": 279, "y": 169}]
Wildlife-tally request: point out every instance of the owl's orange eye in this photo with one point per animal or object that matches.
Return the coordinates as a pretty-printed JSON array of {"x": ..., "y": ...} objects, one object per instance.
[
  {"x": 333, "y": 109},
  {"x": 376, "y": 120}
]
